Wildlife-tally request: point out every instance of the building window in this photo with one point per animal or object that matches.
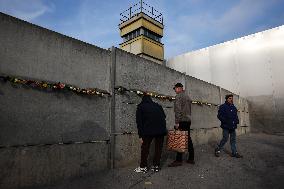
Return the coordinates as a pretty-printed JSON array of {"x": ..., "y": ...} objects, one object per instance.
[
  {"x": 141, "y": 31},
  {"x": 151, "y": 35},
  {"x": 131, "y": 35}
]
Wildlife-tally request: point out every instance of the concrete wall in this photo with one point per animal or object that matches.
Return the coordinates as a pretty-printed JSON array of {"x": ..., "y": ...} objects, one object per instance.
[
  {"x": 251, "y": 66},
  {"x": 40, "y": 165},
  {"x": 133, "y": 72},
  {"x": 41, "y": 119},
  {"x": 47, "y": 136}
]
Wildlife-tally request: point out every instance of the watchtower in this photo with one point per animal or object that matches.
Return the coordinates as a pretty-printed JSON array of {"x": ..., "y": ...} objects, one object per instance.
[{"x": 141, "y": 28}]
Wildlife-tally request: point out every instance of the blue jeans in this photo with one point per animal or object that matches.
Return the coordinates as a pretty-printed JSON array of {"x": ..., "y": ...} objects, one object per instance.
[{"x": 226, "y": 133}]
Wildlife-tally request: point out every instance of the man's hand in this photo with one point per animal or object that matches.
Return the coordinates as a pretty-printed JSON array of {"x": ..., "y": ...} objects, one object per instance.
[
  {"x": 141, "y": 140},
  {"x": 176, "y": 126}
]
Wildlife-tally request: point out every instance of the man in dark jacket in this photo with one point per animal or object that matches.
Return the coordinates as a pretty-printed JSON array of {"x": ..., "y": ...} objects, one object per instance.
[
  {"x": 182, "y": 109},
  {"x": 151, "y": 124},
  {"x": 228, "y": 115}
]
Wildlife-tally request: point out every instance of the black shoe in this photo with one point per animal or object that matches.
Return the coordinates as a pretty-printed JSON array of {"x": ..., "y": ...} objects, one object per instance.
[
  {"x": 155, "y": 168},
  {"x": 217, "y": 153},
  {"x": 237, "y": 155},
  {"x": 190, "y": 161},
  {"x": 175, "y": 164}
]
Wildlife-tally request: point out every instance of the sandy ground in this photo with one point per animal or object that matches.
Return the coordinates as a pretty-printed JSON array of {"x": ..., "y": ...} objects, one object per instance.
[{"x": 262, "y": 167}]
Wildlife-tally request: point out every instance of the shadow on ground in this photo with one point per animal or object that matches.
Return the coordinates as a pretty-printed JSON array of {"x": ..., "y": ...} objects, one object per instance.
[{"x": 262, "y": 167}]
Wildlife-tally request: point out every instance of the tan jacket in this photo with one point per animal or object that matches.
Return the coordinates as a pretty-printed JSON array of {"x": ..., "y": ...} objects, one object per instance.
[{"x": 182, "y": 107}]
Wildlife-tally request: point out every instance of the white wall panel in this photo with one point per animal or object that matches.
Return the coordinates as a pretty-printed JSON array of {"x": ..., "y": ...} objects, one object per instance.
[
  {"x": 251, "y": 66},
  {"x": 223, "y": 66}
]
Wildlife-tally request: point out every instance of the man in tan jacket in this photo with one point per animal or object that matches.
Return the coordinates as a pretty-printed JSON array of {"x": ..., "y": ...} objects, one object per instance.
[{"x": 182, "y": 109}]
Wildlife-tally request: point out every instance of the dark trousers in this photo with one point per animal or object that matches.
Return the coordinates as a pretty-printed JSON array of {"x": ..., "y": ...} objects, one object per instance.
[
  {"x": 159, "y": 140},
  {"x": 185, "y": 126}
]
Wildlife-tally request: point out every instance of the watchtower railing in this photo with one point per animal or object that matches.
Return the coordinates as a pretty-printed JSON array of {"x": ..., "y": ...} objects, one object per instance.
[{"x": 141, "y": 7}]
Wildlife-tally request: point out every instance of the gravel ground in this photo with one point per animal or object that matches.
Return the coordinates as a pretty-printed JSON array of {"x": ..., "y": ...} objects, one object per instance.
[{"x": 262, "y": 167}]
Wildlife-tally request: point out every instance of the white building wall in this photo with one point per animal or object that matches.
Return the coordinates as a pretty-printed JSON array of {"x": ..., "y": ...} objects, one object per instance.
[{"x": 251, "y": 66}]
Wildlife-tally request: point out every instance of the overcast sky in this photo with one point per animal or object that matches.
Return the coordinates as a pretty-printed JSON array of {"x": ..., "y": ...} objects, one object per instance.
[{"x": 189, "y": 24}]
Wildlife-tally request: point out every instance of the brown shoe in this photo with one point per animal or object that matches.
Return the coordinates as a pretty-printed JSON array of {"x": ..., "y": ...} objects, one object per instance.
[
  {"x": 175, "y": 164},
  {"x": 190, "y": 162}
]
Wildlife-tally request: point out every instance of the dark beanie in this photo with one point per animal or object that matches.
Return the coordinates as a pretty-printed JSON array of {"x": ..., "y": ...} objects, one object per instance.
[
  {"x": 178, "y": 85},
  {"x": 228, "y": 96}
]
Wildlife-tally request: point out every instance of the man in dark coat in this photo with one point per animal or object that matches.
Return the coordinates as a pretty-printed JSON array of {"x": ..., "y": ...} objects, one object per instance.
[
  {"x": 151, "y": 124},
  {"x": 228, "y": 115}
]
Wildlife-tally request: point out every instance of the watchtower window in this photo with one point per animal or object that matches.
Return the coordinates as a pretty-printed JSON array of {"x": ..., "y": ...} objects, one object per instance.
[
  {"x": 151, "y": 35},
  {"x": 131, "y": 35}
]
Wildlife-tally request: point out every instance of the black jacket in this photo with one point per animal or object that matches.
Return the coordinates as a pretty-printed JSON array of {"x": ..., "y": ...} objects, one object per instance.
[
  {"x": 150, "y": 118},
  {"x": 228, "y": 115}
]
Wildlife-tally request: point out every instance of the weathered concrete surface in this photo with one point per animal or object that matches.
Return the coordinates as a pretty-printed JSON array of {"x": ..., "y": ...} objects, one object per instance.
[
  {"x": 244, "y": 112},
  {"x": 127, "y": 145},
  {"x": 126, "y": 106},
  {"x": 38, "y": 165},
  {"x": 29, "y": 116},
  {"x": 133, "y": 72},
  {"x": 261, "y": 168},
  {"x": 204, "y": 116},
  {"x": 202, "y": 91},
  {"x": 31, "y": 51},
  {"x": 266, "y": 114},
  {"x": 205, "y": 136},
  {"x": 127, "y": 150},
  {"x": 36, "y": 117}
]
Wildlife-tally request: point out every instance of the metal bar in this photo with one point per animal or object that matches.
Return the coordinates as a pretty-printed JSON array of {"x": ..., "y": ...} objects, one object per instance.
[
  {"x": 136, "y": 10},
  {"x": 125, "y": 11},
  {"x": 147, "y": 5},
  {"x": 144, "y": 8},
  {"x": 125, "y": 133},
  {"x": 156, "y": 10},
  {"x": 141, "y": 5},
  {"x": 148, "y": 11},
  {"x": 156, "y": 17},
  {"x": 51, "y": 144}
]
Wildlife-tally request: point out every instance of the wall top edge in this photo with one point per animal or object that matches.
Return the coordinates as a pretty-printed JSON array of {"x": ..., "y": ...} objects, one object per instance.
[
  {"x": 4, "y": 17},
  {"x": 230, "y": 41}
]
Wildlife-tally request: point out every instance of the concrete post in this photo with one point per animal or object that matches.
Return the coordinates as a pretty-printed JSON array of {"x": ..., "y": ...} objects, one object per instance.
[
  {"x": 112, "y": 108},
  {"x": 220, "y": 94}
]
